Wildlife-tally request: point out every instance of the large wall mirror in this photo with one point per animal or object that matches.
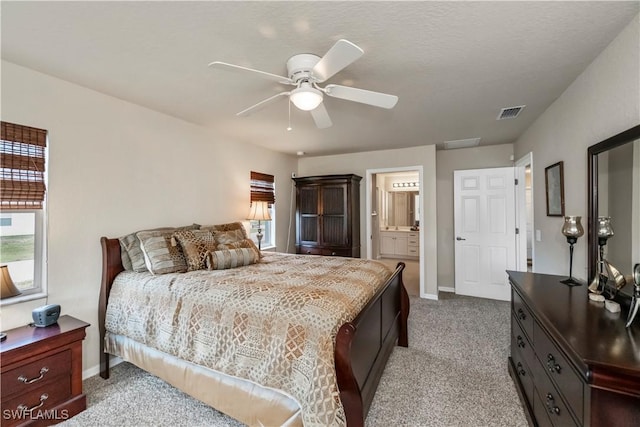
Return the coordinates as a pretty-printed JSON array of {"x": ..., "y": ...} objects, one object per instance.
[{"x": 614, "y": 191}]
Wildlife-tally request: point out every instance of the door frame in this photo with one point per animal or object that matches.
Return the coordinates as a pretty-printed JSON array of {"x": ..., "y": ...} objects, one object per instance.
[
  {"x": 521, "y": 213},
  {"x": 369, "y": 209}
]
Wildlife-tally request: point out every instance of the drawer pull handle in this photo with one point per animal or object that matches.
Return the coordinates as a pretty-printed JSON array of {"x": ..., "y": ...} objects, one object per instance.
[
  {"x": 521, "y": 314},
  {"x": 520, "y": 342},
  {"x": 551, "y": 407},
  {"x": 25, "y": 380},
  {"x": 25, "y": 408},
  {"x": 521, "y": 370},
  {"x": 552, "y": 365},
  {"x": 333, "y": 254},
  {"x": 308, "y": 252}
]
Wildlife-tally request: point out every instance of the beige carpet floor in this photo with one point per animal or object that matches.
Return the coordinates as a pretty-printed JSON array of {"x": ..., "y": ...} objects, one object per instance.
[{"x": 410, "y": 275}]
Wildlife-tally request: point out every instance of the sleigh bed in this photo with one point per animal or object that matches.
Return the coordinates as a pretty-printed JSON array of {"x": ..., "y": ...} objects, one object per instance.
[{"x": 360, "y": 349}]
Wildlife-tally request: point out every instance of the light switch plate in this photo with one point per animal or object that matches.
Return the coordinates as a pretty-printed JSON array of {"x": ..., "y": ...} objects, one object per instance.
[{"x": 538, "y": 236}]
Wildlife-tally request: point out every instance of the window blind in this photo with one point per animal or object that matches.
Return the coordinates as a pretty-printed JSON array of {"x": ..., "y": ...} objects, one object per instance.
[
  {"x": 262, "y": 188},
  {"x": 22, "y": 166}
]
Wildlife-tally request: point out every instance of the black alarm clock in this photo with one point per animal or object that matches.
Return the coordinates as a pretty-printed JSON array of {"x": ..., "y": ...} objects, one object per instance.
[{"x": 46, "y": 315}]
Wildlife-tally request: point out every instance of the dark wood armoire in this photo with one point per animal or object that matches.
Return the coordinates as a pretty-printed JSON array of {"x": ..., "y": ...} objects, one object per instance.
[{"x": 328, "y": 215}]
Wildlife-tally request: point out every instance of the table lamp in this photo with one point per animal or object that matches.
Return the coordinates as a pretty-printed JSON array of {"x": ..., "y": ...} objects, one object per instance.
[{"x": 259, "y": 211}]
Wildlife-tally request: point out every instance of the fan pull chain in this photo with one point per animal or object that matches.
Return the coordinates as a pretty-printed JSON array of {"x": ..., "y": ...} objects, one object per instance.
[{"x": 289, "y": 102}]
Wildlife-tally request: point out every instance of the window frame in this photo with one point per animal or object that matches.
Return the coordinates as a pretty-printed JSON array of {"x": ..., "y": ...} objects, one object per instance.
[{"x": 39, "y": 289}]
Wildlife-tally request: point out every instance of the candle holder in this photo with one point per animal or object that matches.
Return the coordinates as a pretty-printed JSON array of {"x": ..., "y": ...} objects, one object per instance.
[{"x": 572, "y": 230}]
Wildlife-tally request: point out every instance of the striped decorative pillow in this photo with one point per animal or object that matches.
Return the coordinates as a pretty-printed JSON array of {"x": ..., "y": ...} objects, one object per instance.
[
  {"x": 160, "y": 255},
  {"x": 231, "y": 258},
  {"x": 244, "y": 243}
]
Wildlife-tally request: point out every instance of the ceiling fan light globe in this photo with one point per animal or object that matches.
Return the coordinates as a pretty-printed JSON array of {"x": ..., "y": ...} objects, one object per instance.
[{"x": 306, "y": 98}]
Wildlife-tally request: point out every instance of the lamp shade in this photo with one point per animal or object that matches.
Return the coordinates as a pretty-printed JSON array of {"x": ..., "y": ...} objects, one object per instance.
[
  {"x": 259, "y": 211},
  {"x": 572, "y": 226},
  {"x": 7, "y": 287},
  {"x": 306, "y": 97}
]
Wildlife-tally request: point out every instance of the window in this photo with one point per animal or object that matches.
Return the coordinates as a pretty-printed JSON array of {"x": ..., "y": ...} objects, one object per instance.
[
  {"x": 22, "y": 197},
  {"x": 263, "y": 190}
]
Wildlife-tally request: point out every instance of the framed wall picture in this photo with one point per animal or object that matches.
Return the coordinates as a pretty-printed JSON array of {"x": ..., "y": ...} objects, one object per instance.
[{"x": 554, "y": 184}]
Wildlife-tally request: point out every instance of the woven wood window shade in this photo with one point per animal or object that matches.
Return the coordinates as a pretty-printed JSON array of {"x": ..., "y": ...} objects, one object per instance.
[
  {"x": 22, "y": 166},
  {"x": 262, "y": 188}
]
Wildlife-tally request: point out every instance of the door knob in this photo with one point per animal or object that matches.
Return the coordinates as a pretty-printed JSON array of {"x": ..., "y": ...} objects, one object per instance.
[{"x": 460, "y": 238}]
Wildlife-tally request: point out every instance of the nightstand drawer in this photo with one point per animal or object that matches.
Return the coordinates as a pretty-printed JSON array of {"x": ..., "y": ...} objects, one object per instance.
[
  {"x": 28, "y": 377},
  {"x": 46, "y": 396}
]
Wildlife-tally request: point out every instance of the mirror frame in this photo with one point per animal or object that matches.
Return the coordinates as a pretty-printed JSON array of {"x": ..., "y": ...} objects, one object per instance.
[{"x": 622, "y": 138}]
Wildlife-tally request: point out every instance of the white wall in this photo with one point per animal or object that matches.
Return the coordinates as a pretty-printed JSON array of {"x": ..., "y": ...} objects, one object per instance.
[
  {"x": 358, "y": 163},
  {"x": 447, "y": 161},
  {"x": 115, "y": 167},
  {"x": 603, "y": 101}
]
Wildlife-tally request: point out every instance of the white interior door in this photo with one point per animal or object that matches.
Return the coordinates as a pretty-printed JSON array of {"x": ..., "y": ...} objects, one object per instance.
[{"x": 485, "y": 246}]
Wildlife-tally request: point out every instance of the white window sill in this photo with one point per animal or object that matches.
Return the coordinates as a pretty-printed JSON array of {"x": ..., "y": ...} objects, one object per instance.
[
  {"x": 22, "y": 298},
  {"x": 268, "y": 248}
]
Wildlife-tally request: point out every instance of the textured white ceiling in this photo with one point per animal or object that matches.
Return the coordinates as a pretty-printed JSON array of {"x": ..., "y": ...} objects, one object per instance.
[{"x": 453, "y": 65}]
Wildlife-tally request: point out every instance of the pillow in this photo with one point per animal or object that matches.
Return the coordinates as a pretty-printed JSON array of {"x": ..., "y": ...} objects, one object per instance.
[
  {"x": 130, "y": 250},
  {"x": 160, "y": 255},
  {"x": 245, "y": 243},
  {"x": 228, "y": 237},
  {"x": 195, "y": 245},
  {"x": 235, "y": 227},
  {"x": 231, "y": 258}
]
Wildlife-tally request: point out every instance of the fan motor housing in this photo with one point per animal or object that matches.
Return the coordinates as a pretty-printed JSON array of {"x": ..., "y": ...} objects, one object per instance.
[{"x": 299, "y": 67}]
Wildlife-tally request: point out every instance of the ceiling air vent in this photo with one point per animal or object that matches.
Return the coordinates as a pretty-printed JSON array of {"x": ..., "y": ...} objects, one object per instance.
[
  {"x": 510, "y": 112},
  {"x": 461, "y": 143}
]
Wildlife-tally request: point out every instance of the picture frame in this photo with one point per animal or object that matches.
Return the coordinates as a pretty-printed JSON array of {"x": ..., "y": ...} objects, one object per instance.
[{"x": 554, "y": 185}]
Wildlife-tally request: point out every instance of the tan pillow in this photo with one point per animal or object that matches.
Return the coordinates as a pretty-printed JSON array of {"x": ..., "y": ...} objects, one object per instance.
[
  {"x": 231, "y": 226},
  {"x": 245, "y": 243},
  {"x": 195, "y": 244},
  {"x": 231, "y": 258},
  {"x": 160, "y": 255},
  {"x": 131, "y": 253}
]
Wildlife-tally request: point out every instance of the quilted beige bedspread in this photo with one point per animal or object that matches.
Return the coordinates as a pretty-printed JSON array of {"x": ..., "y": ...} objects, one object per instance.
[{"x": 273, "y": 323}]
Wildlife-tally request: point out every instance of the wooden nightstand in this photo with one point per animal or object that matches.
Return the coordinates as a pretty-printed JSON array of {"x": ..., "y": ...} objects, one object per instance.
[{"x": 41, "y": 373}]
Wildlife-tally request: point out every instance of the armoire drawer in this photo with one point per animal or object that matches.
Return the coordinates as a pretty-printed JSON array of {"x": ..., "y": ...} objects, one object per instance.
[
  {"x": 310, "y": 250},
  {"x": 559, "y": 369}
]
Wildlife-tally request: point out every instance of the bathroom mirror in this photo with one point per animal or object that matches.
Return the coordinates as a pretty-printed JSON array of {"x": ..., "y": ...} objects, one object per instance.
[
  {"x": 401, "y": 208},
  {"x": 614, "y": 191}
]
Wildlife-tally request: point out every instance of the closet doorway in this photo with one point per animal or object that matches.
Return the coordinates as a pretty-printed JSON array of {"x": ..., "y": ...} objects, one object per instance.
[{"x": 395, "y": 208}]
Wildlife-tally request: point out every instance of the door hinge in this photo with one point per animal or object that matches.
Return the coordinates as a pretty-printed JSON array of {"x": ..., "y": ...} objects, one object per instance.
[
  {"x": 516, "y": 180},
  {"x": 517, "y": 230}
]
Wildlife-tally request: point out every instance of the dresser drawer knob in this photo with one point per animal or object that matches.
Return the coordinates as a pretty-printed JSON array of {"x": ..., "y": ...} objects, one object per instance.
[
  {"x": 25, "y": 380},
  {"x": 521, "y": 314},
  {"x": 25, "y": 408},
  {"x": 333, "y": 254},
  {"x": 520, "y": 341},
  {"x": 552, "y": 365},
  {"x": 521, "y": 370}
]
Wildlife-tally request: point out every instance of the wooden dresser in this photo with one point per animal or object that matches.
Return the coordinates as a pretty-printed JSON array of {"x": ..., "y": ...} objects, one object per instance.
[
  {"x": 328, "y": 215},
  {"x": 41, "y": 373},
  {"x": 573, "y": 362}
]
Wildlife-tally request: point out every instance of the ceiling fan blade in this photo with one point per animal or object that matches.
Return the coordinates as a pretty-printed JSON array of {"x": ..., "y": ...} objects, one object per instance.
[
  {"x": 377, "y": 99},
  {"x": 321, "y": 117},
  {"x": 264, "y": 74},
  {"x": 261, "y": 104},
  {"x": 338, "y": 57}
]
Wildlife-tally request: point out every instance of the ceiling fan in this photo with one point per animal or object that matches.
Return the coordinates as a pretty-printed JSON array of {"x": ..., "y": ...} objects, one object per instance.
[{"x": 305, "y": 71}]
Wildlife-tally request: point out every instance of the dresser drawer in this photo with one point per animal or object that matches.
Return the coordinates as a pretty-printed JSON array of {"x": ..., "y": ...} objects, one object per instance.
[
  {"x": 30, "y": 376},
  {"x": 522, "y": 313},
  {"x": 540, "y": 411},
  {"x": 310, "y": 250},
  {"x": 560, "y": 371},
  {"x": 47, "y": 395},
  {"x": 525, "y": 375},
  {"x": 520, "y": 342},
  {"x": 550, "y": 400}
]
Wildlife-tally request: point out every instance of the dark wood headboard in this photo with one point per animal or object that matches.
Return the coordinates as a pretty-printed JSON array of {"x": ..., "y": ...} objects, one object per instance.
[{"x": 111, "y": 266}]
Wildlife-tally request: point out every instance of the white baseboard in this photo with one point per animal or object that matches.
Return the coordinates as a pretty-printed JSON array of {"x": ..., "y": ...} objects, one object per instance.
[
  {"x": 95, "y": 370},
  {"x": 429, "y": 296},
  {"x": 447, "y": 289}
]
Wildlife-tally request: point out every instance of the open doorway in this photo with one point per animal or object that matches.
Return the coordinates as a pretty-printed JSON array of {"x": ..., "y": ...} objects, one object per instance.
[
  {"x": 525, "y": 241},
  {"x": 394, "y": 207}
]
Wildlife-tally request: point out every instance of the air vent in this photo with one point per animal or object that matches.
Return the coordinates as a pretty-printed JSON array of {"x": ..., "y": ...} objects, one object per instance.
[
  {"x": 461, "y": 143},
  {"x": 510, "y": 112}
]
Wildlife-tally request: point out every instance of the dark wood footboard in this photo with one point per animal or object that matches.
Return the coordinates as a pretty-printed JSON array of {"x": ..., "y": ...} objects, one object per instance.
[{"x": 363, "y": 345}]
